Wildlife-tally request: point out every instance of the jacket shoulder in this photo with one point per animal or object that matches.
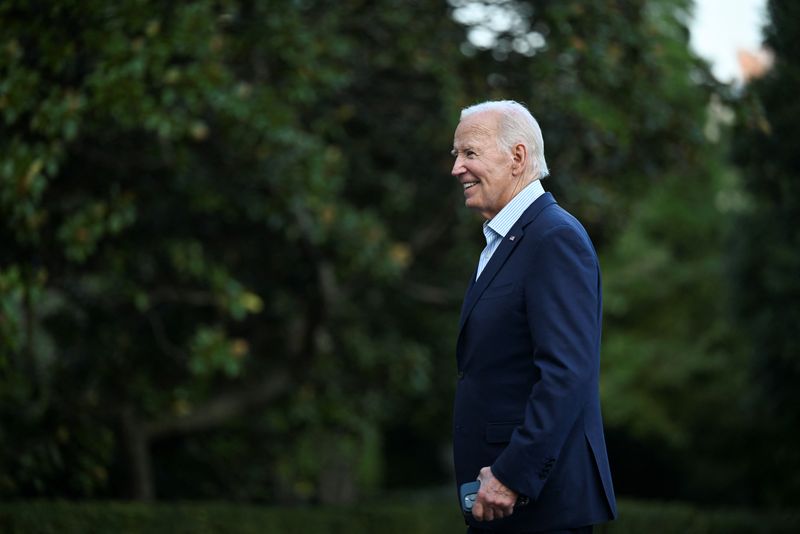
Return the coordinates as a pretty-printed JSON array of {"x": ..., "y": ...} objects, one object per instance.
[{"x": 554, "y": 224}]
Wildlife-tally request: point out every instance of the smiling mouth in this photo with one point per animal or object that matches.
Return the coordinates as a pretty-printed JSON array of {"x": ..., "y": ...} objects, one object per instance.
[{"x": 467, "y": 185}]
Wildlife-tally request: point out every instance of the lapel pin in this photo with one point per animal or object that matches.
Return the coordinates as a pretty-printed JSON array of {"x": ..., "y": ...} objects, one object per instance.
[{"x": 511, "y": 238}]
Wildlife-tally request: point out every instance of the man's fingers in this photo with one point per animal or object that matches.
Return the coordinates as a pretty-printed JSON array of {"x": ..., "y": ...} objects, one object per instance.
[
  {"x": 488, "y": 513},
  {"x": 485, "y": 510},
  {"x": 477, "y": 510}
]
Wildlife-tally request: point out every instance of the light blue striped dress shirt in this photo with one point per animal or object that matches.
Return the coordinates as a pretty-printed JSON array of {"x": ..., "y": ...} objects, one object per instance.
[{"x": 496, "y": 228}]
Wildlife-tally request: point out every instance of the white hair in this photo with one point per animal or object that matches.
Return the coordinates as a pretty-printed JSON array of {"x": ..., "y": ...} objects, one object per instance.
[{"x": 516, "y": 125}]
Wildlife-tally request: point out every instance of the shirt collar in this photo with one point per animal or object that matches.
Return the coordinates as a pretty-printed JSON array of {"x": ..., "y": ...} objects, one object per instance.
[{"x": 511, "y": 212}]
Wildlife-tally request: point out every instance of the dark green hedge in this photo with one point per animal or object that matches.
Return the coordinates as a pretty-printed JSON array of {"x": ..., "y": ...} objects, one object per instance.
[
  {"x": 198, "y": 518},
  {"x": 202, "y": 518},
  {"x": 657, "y": 518}
]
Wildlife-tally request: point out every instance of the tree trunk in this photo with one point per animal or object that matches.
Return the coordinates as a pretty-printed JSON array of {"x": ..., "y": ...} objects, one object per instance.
[
  {"x": 141, "y": 468},
  {"x": 140, "y": 435}
]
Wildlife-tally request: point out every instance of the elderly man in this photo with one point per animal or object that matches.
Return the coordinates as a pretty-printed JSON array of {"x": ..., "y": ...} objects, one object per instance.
[{"x": 527, "y": 420}]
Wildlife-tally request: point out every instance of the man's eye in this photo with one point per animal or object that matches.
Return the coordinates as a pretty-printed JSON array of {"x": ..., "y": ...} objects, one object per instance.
[{"x": 470, "y": 153}]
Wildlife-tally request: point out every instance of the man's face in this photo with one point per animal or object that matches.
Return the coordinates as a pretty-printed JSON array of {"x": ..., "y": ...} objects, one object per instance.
[{"x": 484, "y": 171}]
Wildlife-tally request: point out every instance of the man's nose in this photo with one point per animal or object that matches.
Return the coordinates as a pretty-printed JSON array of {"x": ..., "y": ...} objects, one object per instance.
[{"x": 458, "y": 168}]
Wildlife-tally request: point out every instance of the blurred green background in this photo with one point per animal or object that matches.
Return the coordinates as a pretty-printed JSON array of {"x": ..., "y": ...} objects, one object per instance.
[{"x": 232, "y": 256}]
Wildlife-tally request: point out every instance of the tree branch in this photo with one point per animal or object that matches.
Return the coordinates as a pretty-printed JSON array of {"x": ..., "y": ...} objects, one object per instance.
[
  {"x": 431, "y": 294},
  {"x": 219, "y": 410}
]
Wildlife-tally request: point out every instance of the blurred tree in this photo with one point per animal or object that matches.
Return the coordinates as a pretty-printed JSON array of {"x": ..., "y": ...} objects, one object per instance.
[
  {"x": 233, "y": 258},
  {"x": 766, "y": 253},
  {"x": 185, "y": 242}
]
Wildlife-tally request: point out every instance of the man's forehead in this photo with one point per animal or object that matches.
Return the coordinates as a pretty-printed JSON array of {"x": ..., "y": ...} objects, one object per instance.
[{"x": 476, "y": 128}]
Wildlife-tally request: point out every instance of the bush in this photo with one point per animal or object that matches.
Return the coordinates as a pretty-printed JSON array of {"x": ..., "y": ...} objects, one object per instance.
[
  {"x": 42, "y": 517},
  {"x": 661, "y": 517},
  {"x": 46, "y": 517}
]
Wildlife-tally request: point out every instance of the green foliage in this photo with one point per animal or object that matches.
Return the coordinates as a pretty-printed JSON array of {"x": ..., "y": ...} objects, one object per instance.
[
  {"x": 765, "y": 249},
  {"x": 422, "y": 517},
  {"x": 187, "y": 235},
  {"x": 233, "y": 258},
  {"x": 669, "y": 348},
  {"x": 654, "y": 516}
]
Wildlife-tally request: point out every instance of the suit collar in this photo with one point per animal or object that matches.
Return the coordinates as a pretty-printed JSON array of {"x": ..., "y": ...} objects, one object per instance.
[
  {"x": 511, "y": 212},
  {"x": 535, "y": 209}
]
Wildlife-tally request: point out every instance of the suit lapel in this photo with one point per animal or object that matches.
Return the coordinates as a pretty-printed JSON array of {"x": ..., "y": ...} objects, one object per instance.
[
  {"x": 507, "y": 246},
  {"x": 498, "y": 259},
  {"x": 466, "y": 298}
]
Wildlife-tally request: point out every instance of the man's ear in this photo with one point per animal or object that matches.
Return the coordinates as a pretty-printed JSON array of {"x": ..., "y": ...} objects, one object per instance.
[{"x": 519, "y": 158}]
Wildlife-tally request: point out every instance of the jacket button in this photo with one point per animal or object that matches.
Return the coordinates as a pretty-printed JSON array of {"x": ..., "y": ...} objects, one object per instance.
[{"x": 460, "y": 375}]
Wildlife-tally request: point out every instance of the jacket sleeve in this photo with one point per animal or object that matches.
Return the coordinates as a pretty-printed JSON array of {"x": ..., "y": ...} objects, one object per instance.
[{"x": 562, "y": 298}]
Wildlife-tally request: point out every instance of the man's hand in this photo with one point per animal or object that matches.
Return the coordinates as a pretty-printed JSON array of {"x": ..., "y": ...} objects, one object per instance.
[{"x": 494, "y": 499}]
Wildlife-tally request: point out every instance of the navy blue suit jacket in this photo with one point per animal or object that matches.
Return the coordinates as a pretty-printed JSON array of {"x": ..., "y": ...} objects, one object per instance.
[{"x": 527, "y": 399}]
